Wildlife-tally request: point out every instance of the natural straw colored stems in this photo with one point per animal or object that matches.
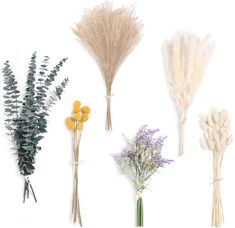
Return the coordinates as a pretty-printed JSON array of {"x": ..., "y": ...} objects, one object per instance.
[
  {"x": 182, "y": 121},
  {"x": 186, "y": 57},
  {"x": 216, "y": 127},
  {"x": 75, "y": 124},
  {"x": 110, "y": 35}
]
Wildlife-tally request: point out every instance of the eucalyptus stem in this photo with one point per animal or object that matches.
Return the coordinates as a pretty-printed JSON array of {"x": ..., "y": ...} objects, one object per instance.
[
  {"x": 140, "y": 212},
  {"x": 27, "y": 188}
]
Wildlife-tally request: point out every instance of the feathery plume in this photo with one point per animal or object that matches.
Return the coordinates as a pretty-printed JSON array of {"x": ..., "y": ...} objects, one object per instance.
[
  {"x": 110, "y": 36},
  {"x": 186, "y": 57}
]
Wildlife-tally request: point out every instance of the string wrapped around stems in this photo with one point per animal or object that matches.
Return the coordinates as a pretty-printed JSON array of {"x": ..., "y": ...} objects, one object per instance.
[
  {"x": 75, "y": 123},
  {"x": 186, "y": 57},
  {"x": 110, "y": 36},
  {"x": 216, "y": 137}
]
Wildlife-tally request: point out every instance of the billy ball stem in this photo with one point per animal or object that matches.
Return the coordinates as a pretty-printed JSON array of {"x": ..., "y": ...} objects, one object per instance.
[
  {"x": 76, "y": 124},
  {"x": 76, "y": 214}
]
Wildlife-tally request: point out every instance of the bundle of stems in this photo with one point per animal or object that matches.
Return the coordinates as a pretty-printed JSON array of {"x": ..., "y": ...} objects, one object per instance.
[
  {"x": 186, "y": 57},
  {"x": 26, "y": 119},
  {"x": 110, "y": 36},
  {"x": 139, "y": 161},
  {"x": 216, "y": 127},
  {"x": 75, "y": 123}
]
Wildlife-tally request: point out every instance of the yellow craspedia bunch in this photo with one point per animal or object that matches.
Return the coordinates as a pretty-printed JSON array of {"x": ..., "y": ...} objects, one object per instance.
[{"x": 80, "y": 115}]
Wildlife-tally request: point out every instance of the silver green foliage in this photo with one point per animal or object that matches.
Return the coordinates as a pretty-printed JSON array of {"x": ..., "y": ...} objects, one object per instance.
[{"x": 26, "y": 117}]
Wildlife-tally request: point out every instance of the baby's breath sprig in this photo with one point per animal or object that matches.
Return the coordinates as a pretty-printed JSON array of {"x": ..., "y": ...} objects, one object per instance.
[
  {"x": 216, "y": 137},
  {"x": 75, "y": 123}
]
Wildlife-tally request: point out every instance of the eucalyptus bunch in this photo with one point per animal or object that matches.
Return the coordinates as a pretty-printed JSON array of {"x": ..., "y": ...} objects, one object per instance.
[
  {"x": 186, "y": 57},
  {"x": 140, "y": 160},
  {"x": 216, "y": 137},
  {"x": 26, "y": 115},
  {"x": 75, "y": 123},
  {"x": 110, "y": 36}
]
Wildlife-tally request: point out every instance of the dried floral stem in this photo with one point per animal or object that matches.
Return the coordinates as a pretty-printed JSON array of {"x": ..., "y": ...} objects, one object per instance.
[
  {"x": 216, "y": 137},
  {"x": 108, "y": 112},
  {"x": 186, "y": 57},
  {"x": 182, "y": 121},
  {"x": 139, "y": 160},
  {"x": 76, "y": 123},
  {"x": 110, "y": 35},
  {"x": 76, "y": 214},
  {"x": 217, "y": 211}
]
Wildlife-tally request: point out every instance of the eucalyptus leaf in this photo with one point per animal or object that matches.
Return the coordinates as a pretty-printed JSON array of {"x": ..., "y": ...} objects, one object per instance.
[{"x": 26, "y": 120}]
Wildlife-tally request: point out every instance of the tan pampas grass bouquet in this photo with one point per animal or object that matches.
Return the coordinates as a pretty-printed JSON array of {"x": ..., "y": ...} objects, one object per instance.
[
  {"x": 186, "y": 57},
  {"x": 216, "y": 137},
  {"x": 109, "y": 35}
]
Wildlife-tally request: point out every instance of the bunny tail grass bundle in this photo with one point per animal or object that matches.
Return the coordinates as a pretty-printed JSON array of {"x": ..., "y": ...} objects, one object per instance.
[
  {"x": 186, "y": 57},
  {"x": 110, "y": 36},
  {"x": 216, "y": 127}
]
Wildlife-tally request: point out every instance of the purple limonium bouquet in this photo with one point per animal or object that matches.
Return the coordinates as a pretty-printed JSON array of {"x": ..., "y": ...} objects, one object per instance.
[{"x": 139, "y": 160}]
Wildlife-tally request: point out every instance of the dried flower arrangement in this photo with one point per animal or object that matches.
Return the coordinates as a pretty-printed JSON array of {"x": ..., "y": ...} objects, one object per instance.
[
  {"x": 186, "y": 57},
  {"x": 27, "y": 118},
  {"x": 110, "y": 36},
  {"x": 139, "y": 160},
  {"x": 216, "y": 137},
  {"x": 75, "y": 124}
]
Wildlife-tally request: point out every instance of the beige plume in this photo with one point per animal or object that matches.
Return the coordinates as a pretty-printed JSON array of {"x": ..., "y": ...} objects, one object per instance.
[
  {"x": 186, "y": 57},
  {"x": 110, "y": 36}
]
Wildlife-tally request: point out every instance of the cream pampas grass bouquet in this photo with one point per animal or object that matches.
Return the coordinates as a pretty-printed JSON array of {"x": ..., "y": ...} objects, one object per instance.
[
  {"x": 110, "y": 35},
  {"x": 186, "y": 57}
]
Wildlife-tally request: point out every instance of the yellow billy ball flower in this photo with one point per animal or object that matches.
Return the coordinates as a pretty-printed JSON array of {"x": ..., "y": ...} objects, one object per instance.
[
  {"x": 77, "y": 116},
  {"x": 71, "y": 126},
  {"x": 86, "y": 110},
  {"x": 69, "y": 120},
  {"x": 76, "y": 106},
  {"x": 76, "y": 109},
  {"x": 85, "y": 117},
  {"x": 79, "y": 126},
  {"x": 77, "y": 103}
]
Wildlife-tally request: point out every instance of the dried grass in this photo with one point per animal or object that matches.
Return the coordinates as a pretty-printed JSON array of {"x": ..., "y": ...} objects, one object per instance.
[
  {"x": 110, "y": 36},
  {"x": 216, "y": 127},
  {"x": 186, "y": 57}
]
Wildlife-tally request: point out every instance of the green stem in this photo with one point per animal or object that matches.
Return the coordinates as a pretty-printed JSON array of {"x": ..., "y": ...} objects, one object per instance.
[{"x": 140, "y": 212}]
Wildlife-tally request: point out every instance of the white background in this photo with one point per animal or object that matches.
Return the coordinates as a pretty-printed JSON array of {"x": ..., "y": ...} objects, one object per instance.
[{"x": 181, "y": 194}]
